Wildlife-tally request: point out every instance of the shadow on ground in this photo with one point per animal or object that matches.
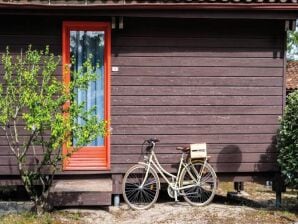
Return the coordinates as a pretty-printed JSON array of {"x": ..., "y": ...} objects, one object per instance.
[{"x": 264, "y": 204}]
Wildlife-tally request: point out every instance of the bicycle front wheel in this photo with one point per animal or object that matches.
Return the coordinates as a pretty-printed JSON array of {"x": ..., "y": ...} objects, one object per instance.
[
  {"x": 202, "y": 181},
  {"x": 139, "y": 191}
]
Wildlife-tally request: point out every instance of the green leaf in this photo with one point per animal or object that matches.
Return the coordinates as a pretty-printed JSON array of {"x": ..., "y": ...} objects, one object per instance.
[
  {"x": 287, "y": 141},
  {"x": 33, "y": 99}
]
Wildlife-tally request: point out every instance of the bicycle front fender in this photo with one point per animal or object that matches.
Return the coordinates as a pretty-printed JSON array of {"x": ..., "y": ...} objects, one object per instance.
[{"x": 153, "y": 170}]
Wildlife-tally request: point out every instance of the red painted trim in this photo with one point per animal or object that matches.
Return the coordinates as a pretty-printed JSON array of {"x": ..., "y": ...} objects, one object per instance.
[{"x": 103, "y": 153}]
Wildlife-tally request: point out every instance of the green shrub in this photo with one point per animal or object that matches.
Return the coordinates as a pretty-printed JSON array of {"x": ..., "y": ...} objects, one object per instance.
[
  {"x": 287, "y": 141},
  {"x": 39, "y": 114}
]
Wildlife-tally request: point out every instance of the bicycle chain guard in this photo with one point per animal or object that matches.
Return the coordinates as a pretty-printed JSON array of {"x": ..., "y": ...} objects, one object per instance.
[{"x": 171, "y": 192}]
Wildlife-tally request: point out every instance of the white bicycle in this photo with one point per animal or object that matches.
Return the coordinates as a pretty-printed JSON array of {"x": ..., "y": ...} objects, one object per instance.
[{"x": 196, "y": 180}]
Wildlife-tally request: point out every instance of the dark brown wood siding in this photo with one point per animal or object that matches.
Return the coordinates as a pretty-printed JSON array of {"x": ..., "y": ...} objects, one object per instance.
[
  {"x": 188, "y": 81},
  {"x": 18, "y": 33},
  {"x": 183, "y": 81}
]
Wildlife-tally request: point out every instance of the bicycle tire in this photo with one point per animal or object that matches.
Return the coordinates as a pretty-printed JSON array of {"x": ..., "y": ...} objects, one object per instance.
[
  {"x": 202, "y": 194},
  {"x": 136, "y": 197}
]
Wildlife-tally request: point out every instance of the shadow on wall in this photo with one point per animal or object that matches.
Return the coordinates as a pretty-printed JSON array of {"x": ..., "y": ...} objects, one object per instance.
[
  {"x": 268, "y": 167},
  {"x": 268, "y": 160},
  {"x": 229, "y": 159}
]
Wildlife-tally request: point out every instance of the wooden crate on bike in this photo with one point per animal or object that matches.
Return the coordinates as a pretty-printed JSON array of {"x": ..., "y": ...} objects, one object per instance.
[{"x": 198, "y": 151}]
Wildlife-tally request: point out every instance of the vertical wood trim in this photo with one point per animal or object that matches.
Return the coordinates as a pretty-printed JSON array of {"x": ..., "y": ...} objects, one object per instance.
[
  {"x": 284, "y": 88},
  {"x": 89, "y": 26}
]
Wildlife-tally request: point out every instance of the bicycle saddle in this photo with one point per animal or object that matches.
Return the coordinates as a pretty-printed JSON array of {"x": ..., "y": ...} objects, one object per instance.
[{"x": 183, "y": 149}]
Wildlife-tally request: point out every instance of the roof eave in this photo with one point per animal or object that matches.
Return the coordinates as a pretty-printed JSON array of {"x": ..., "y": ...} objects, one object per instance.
[{"x": 158, "y": 6}]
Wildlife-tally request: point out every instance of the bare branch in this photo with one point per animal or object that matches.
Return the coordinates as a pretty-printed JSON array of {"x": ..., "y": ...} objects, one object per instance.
[
  {"x": 11, "y": 135},
  {"x": 42, "y": 184},
  {"x": 28, "y": 144},
  {"x": 15, "y": 125},
  {"x": 50, "y": 181},
  {"x": 9, "y": 143}
]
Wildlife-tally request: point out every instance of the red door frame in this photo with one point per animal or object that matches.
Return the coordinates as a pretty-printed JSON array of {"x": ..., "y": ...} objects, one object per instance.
[{"x": 89, "y": 150}]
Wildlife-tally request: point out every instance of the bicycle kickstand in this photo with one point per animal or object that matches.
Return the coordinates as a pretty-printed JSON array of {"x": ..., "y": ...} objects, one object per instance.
[{"x": 176, "y": 196}]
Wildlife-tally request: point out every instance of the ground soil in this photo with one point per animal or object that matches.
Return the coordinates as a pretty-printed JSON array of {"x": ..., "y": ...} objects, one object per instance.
[{"x": 257, "y": 205}]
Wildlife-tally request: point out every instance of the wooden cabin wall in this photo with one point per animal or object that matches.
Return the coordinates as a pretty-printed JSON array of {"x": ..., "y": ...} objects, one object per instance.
[
  {"x": 183, "y": 81},
  {"x": 188, "y": 81},
  {"x": 18, "y": 32}
]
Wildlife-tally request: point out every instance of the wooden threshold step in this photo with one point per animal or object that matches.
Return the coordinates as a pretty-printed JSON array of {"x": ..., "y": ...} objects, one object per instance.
[{"x": 83, "y": 192}]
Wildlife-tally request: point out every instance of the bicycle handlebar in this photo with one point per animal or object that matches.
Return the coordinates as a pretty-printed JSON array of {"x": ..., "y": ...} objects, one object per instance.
[{"x": 152, "y": 140}]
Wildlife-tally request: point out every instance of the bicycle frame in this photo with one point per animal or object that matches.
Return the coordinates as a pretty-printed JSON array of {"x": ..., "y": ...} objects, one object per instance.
[
  {"x": 153, "y": 163},
  {"x": 195, "y": 179}
]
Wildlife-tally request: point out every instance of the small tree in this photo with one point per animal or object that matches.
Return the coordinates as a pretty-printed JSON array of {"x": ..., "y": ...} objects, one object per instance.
[
  {"x": 287, "y": 141},
  {"x": 292, "y": 45},
  {"x": 38, "y": 115}
]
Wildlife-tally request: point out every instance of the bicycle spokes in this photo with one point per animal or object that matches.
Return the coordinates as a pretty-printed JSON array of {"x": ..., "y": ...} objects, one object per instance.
[
  {"x": 138, "y": 192},
  {"x": 198, "y": 190}
]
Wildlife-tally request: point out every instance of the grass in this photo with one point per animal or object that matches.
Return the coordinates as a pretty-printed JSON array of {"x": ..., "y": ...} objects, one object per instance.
[
  {"x": 27, "y": 218},
  {"x": 47, "y": 218},
  {"x": 263, "y": 199}
]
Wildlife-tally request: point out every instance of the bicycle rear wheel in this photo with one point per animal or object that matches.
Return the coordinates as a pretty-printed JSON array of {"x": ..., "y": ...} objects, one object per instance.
[
  {"x": 204, "y": 187},
  {"x": 137, "y": 196}
]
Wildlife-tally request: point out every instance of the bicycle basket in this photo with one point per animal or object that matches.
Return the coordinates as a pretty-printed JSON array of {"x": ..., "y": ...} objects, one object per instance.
[{"x": 198, "y": 150}]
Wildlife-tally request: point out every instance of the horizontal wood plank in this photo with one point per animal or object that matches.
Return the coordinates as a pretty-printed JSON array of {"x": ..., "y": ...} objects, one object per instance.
[
  {"x": 219, "y": 168},
  {"x": 17, "y": 48},
  {"x": 164, "y": 147},
  {"x": 201, "y": 119},
  {"x": 197, "y": 81},
  {"x": 196, "y": 100},
  {"x": 187, "y": 139},
  {"x": 214, "y": 158},
  {"x": 195, "y": 110},
  {"x": 156, "y": 130},
  {"x": 122, "y": 168},
  {"x": 195, "y": 91},
  {"x": 30, "y": 39},
  {"x": 175, "y": 71},
  {"x": 189, "y": 27},
  {"x": 221, "y": 160},
  {"x": 80, "y": 198},
  {"x": 197, "y": 62},
  {"x": 173, "y": 51},
  {"x": 210, "y": 42}
]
